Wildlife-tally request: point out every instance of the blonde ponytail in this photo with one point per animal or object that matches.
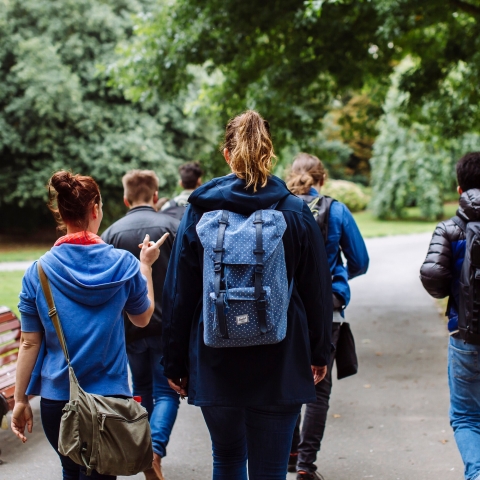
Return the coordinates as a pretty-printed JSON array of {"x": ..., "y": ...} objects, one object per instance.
[
  {"x": 249, "y": 144},
  {"x": 305, "y": 172}
]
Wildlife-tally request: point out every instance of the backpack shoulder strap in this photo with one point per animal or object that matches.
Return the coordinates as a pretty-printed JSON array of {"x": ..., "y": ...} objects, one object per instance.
[
  {"x": 460, "y": 223},
  {"x": 52, "y": 311}
]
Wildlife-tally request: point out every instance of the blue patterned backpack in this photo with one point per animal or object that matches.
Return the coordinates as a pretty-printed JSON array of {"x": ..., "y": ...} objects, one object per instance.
[{"x": 245, "y": 286}]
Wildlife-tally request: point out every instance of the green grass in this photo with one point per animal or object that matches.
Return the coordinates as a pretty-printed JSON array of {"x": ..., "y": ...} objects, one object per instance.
[
  {"x": 10, "y": 286},
  {"x": 372, "y": 227},
  {"x": 21, "y": 254}
]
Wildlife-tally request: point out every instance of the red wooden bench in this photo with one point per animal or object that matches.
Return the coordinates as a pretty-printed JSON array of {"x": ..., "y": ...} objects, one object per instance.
[{"x": 9, "y": 343}]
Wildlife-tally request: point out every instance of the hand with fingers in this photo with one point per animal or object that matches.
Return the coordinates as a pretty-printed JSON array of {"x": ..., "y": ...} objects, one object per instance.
[
  {"x": 151, "y": 250},
  {"x": 22, "y": 417},
  {"x": 318, "y": 373},
  {"x": 179, "y": 385}
]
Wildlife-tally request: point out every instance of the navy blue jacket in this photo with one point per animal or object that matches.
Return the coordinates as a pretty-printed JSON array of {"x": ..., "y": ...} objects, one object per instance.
[
  {"x": 277, "y": 374},
  {"x": 344, "y": 237}
]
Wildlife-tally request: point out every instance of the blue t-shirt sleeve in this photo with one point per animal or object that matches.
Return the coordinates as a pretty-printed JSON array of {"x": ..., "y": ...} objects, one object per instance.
[
  {"x": 30, "y": 320},
  {"x": 138, "y": 301}
]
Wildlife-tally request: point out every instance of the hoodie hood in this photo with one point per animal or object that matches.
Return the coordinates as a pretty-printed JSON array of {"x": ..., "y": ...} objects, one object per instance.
[
  {"x": 89, "y": 274},
  {"x": 469, "y": 209},
  {"x": 229, "y": 193}
]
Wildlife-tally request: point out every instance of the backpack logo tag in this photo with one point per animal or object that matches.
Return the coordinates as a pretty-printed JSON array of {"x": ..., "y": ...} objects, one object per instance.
[{"x": 241, "y": 319}]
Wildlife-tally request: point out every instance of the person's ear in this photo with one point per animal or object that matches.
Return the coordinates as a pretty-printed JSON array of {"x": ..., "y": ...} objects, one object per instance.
[
  {"x": 155, "y": 197},
  {"x": 199, "y": 182},
  {"x": 95, "y": 211},
  {"x": 126, "y": 202},
  {"x": 226, "y": 154},
  {"x": 459, "y": 190}
]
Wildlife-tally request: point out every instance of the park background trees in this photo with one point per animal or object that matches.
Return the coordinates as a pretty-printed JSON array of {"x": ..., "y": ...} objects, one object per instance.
[{"x": 102, "y": 86}]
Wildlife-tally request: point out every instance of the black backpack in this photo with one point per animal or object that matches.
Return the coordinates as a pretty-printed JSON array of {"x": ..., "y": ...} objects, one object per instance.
[
  {"x": 320, "y": 208},
  {"x": 175, "y": 210},
  {"x": 469, "y": 290}
]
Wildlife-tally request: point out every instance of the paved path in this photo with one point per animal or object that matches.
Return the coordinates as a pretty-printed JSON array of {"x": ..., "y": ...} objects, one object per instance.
[
  {"x": 389, "y": 422},
  {"x": 13, "y": 266}
]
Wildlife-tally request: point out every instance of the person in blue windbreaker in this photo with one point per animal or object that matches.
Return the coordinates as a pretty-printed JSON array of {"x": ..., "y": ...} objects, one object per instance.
[
  {"x": 306, "y": 177},
  {"x": 250, "y": 396}
]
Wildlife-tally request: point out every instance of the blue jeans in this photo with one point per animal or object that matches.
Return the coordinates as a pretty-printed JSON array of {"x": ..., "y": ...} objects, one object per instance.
[
  {"x": 160, "y": 401},
  {"x": 464, "y": 382},
  {"x": 51, "y": 413},
  {"x": 264, "y": 432}
]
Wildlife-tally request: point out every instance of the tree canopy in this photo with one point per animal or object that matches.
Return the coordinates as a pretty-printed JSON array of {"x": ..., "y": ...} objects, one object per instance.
[{"x": 58, "y": 111}]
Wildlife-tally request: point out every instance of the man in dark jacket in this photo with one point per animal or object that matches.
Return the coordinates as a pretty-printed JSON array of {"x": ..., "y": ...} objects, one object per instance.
[
  {"x": 440, "y": 275},
  {"x": 144, "y": 348}
]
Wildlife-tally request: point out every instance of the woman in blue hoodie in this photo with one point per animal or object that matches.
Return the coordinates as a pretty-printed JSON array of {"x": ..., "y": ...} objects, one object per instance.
[
  {"x": 250, "y": 396},
  {"x": 91, "y": 283}
]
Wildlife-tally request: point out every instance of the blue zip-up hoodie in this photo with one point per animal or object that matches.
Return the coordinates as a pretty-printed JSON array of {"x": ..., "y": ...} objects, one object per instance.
[
  {"x": 345, "y": 238},
  {"x": 278, "y": 374},
  {"x": 91, "y": 284}
]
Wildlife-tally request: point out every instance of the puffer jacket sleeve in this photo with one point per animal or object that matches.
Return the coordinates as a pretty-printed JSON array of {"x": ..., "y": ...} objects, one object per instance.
[{"x": 436, "y": 271}]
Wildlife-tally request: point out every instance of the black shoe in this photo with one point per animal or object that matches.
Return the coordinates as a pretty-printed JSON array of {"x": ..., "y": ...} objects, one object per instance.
[
  {"x": 292, "y": 462},
  {"x": 309, "y": 476}
]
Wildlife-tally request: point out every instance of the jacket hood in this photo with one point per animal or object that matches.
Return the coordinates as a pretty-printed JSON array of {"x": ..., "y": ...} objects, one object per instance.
[
  {"x": 89, "y": 274},
  {"x": 229, "y": 193},
  {"x": 469, "y": 209}
]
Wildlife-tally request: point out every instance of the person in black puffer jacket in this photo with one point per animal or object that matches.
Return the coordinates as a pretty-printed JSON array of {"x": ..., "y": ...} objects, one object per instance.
[{"x": 440, "y": 275}]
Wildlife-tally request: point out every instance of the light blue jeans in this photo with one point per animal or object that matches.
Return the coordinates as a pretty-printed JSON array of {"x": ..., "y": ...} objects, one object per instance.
[
  {"x": 464, "y": 382},
  {"x": 148, "y": 381}
]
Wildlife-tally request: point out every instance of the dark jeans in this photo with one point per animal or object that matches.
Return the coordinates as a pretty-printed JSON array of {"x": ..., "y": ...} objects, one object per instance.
[
  {"x": 307, "y": 441},
  {"x": 262, "y": 435},
  {"x": 51, "y": 412},
  {"x": 158, "y": 398}
]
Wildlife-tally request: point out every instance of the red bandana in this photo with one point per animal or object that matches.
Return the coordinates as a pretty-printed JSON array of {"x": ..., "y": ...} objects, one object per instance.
[{"x": 80, "y": 238}]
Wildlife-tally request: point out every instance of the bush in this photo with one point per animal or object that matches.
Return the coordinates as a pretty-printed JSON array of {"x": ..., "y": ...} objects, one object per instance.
[{"x": 349, "y": 193}]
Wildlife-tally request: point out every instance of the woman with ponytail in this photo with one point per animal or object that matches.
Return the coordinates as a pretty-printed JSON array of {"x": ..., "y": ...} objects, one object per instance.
[
  {"x": 306, "y": 178},
  {"x": 250, "y": 396},
  {"x": 92, "y": 284}
]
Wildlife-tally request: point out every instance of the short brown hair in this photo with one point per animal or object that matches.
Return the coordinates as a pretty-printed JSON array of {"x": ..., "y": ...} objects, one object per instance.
[
  {"x": 189, "y": 174},
  {"x": 139, "y": 185},
  {"x": 306, "y": 171},
  {"x": 248, "y": 141},
  {"x": 70, "y": 197}
]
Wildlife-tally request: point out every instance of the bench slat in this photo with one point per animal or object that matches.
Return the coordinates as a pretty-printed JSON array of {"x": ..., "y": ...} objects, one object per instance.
[
  {"x": 7, "y": 381},
  {"x": 7, "y": 316},
  {"x": 8, "y": 358},
  {"x": 10, "y": 325},
  {"x": 10, "y": 335},
  {"x": 9, "y": 346}
]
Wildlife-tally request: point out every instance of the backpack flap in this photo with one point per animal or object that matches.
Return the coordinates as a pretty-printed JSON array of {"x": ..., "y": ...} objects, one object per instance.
[{"x": 237, "y": 245}]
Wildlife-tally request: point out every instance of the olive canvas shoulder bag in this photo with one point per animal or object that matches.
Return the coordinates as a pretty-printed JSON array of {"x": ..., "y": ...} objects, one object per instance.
[{"x": 107, "y": 434}]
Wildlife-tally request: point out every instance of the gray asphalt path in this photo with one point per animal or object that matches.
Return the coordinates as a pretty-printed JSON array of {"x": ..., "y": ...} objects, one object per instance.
[
  {"x": 388, "y": 422},
  {"x": 14, "y": 266}
]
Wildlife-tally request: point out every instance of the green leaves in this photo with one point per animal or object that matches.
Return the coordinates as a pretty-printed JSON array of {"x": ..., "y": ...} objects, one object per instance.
[{"x": 59, "y": 110}]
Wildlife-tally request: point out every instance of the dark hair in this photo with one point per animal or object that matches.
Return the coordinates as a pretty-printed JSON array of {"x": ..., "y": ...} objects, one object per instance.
[
  {"x": 468, "y": 171},
  {"x": 139, "y": 185},
  {"x": 249, "y": 143},
  {"x": 189, "y": 174},
  {"x": 71, "y": 197},
  {"x": 306, "y": 171}
]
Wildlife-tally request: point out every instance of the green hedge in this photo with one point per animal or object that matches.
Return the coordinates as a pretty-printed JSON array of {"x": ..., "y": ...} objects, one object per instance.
[{"x": 349, "y": 193}]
